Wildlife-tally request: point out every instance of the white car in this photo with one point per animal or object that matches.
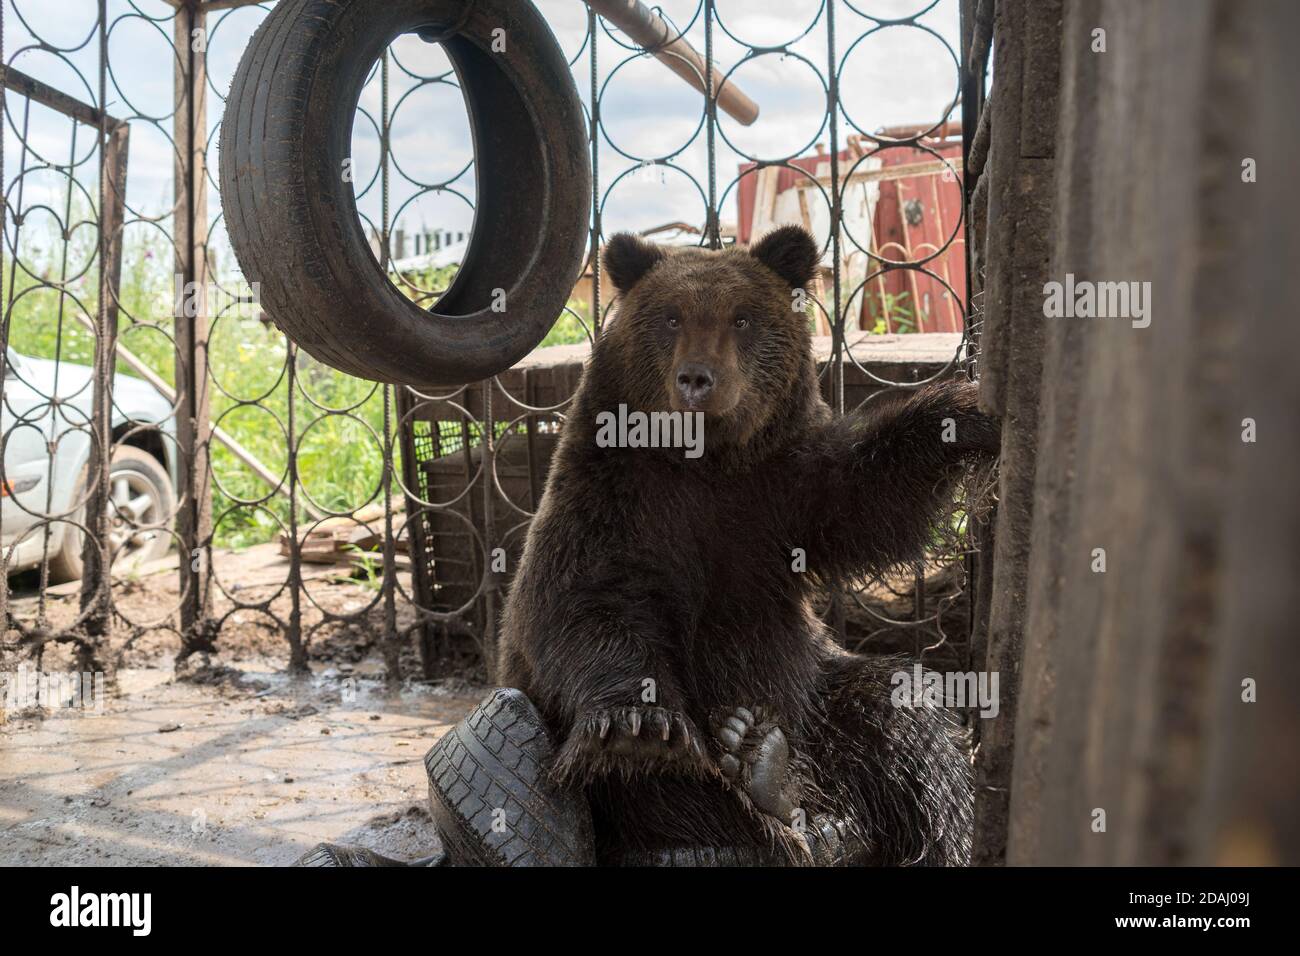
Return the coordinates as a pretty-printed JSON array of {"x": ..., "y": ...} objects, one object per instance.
[{"x": 46, "y": 448}]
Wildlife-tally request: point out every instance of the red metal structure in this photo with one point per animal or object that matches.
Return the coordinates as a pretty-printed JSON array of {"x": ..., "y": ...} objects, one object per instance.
[{"x": 915, "y": 213}]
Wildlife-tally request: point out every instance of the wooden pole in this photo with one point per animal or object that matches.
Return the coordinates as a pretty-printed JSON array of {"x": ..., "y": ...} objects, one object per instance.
[
  {"x": 648, "y": 30},
  {"x": 194, "y": 512}
]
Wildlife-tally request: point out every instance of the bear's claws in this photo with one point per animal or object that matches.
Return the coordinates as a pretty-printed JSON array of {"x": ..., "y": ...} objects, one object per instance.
[{"x": 629, "y": 738}]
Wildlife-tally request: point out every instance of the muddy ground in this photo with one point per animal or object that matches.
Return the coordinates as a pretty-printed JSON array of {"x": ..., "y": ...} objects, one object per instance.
[{"x": 232, "y": 762}]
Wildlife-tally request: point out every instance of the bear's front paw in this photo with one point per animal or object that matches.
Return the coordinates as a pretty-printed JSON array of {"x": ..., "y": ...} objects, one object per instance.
[
  {"x": 973, "y": 430},
  {"x": 628, "y": 738},
  {"x": 756, "y": 758}
]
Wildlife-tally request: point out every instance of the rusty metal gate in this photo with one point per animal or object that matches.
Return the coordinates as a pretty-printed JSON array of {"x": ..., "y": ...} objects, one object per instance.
[{"x": 136, "y": 352}]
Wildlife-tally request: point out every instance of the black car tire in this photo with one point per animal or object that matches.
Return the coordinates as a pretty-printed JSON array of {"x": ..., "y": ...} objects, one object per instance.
[
  {"x": 145, "y": 471},
  {"x": 292, "y": 216}
]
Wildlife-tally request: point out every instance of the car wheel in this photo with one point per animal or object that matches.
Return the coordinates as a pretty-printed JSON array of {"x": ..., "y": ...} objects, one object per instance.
[{"x": 142, "y": 504}]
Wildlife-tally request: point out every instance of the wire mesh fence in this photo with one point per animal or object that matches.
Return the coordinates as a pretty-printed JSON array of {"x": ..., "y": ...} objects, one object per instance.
[{"x": 175, "y": 468}]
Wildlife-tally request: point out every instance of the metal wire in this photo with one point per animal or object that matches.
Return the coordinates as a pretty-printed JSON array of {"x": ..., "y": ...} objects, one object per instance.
[{"x": 456, "y": 476}]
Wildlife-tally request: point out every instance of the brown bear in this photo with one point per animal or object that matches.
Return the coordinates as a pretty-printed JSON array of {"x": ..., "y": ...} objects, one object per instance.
[{"x": 659, "y": 619}]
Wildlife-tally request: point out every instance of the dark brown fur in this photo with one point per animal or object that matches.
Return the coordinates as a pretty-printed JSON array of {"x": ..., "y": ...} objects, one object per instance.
[{"x": 643, "y": 565}]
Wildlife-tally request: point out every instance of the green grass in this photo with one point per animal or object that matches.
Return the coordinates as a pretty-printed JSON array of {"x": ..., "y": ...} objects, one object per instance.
[{"x": 340, "y": 456}]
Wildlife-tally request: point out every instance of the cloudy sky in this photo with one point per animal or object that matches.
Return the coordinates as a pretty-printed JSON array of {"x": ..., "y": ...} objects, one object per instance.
[{"x": 898, "y": 74}]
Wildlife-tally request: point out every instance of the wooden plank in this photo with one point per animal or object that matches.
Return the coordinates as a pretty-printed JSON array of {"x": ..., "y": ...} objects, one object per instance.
[
  {"x": 56, "y": 100},
  {"x": 930, "y": 167},
  {"x": 765, "y": 201},
  {"x": 222, "y": 4}
]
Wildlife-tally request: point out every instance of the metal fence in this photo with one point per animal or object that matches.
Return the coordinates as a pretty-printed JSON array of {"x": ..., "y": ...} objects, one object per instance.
[{"x": 131, "y": 336}]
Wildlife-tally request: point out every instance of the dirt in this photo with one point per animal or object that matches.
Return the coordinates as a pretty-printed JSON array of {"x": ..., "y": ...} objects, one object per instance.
[
  {"x": 147, "y": 602},
  {"x": 231, "y": 761}
]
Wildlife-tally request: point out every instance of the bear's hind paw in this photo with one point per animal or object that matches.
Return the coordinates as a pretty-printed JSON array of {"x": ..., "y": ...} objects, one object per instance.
[{"x": 756, "y": 759}]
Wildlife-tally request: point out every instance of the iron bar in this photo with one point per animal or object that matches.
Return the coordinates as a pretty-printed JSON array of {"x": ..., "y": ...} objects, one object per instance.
[{"x": 448, "y": 443}]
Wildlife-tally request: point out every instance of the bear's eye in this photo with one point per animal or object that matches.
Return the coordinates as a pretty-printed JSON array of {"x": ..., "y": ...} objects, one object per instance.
[
  {"x": 741, "y": 322},
  {"x": 674, "y": 322}
]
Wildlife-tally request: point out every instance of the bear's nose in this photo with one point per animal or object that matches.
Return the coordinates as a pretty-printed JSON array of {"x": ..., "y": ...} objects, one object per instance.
[{"x": 694, "y": 381}]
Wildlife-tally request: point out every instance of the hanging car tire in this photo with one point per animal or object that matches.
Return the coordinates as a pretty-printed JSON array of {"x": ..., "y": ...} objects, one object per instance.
[{"x": 292, "y": 217}]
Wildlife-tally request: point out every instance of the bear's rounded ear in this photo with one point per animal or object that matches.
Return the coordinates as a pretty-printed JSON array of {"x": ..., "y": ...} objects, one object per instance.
[
  {"x": 790, "y": 252},
  {"x": 628, "y": 258}
]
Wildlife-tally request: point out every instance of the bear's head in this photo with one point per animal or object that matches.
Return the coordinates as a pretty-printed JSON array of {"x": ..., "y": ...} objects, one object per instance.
[{"x": 724, "y": 333}]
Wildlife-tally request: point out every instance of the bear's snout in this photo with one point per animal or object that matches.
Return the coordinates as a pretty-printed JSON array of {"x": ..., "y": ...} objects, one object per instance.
[{"x": 694, "y": 383}]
